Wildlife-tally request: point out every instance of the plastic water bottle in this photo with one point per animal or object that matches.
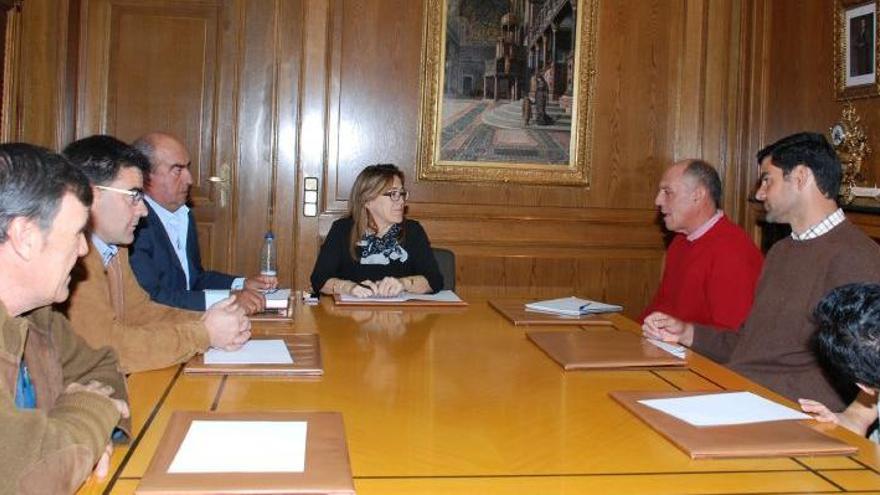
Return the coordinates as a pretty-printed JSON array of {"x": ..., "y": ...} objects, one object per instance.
[{"x": 268, "y": 266}]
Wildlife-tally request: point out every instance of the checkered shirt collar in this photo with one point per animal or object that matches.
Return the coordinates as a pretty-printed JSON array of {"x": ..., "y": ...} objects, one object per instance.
[{"x": 821, "y": 228}]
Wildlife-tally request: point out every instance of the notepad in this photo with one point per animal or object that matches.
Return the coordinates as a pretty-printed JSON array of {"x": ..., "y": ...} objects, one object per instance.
[
  {"x": 442, "y": 296},
  {"x": 269, "y": 351},
  {"x": 573, "y": 306},
  {"x": 277, "y": 299},
  {"x": 734, "y": 408},
  {"x": 675, "y": 350},
  {"x": 242, "y": 447}
]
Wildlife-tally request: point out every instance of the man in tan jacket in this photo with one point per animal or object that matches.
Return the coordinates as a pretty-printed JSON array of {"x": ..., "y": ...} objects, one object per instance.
[
  {"x": 59, "y": 398},
  {"x": 108, "y": 306}
]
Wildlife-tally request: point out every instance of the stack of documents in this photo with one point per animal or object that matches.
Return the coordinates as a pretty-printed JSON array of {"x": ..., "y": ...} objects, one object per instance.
[
  {"x": 444, "y": 296},
  {"x": 573, "y": 306},
  {"x": 277, "y": 299}
]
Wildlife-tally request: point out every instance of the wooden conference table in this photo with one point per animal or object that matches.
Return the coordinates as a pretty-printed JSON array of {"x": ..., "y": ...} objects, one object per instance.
[{"x": 439, "y": 401}]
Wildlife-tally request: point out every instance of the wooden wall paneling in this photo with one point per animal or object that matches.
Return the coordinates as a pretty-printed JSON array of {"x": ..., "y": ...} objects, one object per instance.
[
  {"x": 10, "y": 120},
  {"x": 712, "y": 92},
  {"x": 610, "y": 254},
  {"x": 148, "y": 89},
  {"x": 224, "y": 129},
  {"x": 312, "y": 130},
  {"x": 154, "y": 65},
  {"x": 255, "y": 160},
  {"x": 287, "y": 185},
  {"x": 639, "y": 46},
  {"x": 691, "y": 80},
  {"x": 756, "y": 27},
  {"x": 266, "y": 172},
  {"x": 800, "y": 93},
  {"x": 728, "y": 99},
  {"x": 67, "y": 128},
  {"x": 269, "y": 72},
  {"x": 377, "y": 47},
  {"x": 42, "y": 74},
  {"x": 739, "y": 172},
  {"x": 719, "y": 99}
]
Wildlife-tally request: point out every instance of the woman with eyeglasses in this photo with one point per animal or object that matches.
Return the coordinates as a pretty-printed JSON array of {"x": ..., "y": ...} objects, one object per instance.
[{"x": 375, "y": 251}]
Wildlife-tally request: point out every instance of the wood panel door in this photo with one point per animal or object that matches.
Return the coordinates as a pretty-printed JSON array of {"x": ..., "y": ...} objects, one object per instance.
[
  {"x": 209, "y": 72},
  {"x": 154, "y": 65}
]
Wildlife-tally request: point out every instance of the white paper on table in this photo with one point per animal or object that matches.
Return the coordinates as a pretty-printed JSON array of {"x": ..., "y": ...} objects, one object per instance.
[
  {"x": 573, "y": 306},
  {"x": 675, "y": 350},
  {"x": 554, "y": 313},
  {"x": 268, "y": 351},
  {"x": 277, "y": 299},
  {"x": 242, "y": 447},
  {"x": 734, "y": 408},
  {"x": 442, "y": 296}
]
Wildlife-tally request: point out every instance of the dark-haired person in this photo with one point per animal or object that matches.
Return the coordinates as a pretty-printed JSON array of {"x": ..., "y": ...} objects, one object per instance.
[
  {"x": 375, "y": 250},
  {"x": 800, "y": 178},
  {"x": 848, "y": 340},
  {"x": 108, "y": 306},
  {"x": 59, "y": 398},
  {"x": 711, "y": 266},
  {"x": 165, "y": 253}
]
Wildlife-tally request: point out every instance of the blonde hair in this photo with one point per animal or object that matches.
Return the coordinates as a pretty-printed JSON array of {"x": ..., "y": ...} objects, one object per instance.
[{"x": 370, "y": 183}]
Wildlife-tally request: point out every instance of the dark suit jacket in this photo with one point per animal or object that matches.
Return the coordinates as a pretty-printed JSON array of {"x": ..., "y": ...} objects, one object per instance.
[{"x": 158, "y": 269}]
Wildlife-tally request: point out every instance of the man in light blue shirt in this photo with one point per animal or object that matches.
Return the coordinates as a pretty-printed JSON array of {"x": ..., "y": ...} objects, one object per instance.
[{"x": 165, "y": 255}]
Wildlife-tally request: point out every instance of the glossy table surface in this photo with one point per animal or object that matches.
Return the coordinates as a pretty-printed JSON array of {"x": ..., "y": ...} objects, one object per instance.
[{"x": 442, "y": 401}]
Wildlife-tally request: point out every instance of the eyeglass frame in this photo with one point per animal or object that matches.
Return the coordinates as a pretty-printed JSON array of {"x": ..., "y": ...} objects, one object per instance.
[
  {"x": 136, "y": 194},
  {"x": 402, "y": 194}
]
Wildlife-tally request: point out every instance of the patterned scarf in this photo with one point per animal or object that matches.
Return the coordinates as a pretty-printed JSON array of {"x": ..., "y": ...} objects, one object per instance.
[{"x": 377, "y": 250}]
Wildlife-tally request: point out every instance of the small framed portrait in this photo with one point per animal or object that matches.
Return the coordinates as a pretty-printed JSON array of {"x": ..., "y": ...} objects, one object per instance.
[{"x": 856, "y": 56}]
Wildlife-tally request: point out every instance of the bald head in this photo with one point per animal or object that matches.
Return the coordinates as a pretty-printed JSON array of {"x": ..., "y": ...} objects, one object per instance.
[
  {"x": 690, "y": 191},
  {"x": 169, "y": 178}
]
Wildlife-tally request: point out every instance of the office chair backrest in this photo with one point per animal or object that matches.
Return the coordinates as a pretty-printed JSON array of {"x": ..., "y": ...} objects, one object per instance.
[{"x": 446, "y": 262}]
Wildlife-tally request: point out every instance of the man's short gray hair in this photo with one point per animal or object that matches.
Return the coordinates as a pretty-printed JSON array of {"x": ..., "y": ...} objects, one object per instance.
[{"x": 707, "y": 176}]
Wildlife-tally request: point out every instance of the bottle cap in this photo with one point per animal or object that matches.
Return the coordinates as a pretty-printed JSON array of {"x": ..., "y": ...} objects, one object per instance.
[{"x": 269, "y": 235}]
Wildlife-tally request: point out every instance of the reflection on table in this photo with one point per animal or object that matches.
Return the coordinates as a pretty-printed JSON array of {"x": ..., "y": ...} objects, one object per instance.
[{"x": 458, "y": 401}]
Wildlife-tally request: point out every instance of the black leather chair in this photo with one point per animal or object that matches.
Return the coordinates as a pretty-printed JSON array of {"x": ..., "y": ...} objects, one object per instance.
[{"x": 446, "y": 262}]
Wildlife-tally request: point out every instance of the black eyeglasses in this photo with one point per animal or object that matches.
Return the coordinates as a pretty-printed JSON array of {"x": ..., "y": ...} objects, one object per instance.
[
  {"x": 397, "y": 194},
  {"x": 136, "y": 195}
]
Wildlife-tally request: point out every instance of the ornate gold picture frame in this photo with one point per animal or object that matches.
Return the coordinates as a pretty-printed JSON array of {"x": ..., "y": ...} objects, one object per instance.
[
  {"x": 507, "y": 91},
  {"x": 856, "y": 59}
]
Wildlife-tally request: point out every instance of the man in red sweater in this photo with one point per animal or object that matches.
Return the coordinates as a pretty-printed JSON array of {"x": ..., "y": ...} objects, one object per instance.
[
  {"x": 712, "y": 266},
  {"x": 800, "y": 179}
]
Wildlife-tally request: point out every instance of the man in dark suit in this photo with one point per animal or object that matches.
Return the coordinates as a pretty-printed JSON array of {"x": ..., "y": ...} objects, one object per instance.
[{"x": 165, "y": 253}]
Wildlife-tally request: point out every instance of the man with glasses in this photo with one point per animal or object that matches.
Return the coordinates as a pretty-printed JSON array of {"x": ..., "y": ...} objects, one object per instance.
[
  {"x": 165, "y": 255},
  {"x": 107, "y": 306}
]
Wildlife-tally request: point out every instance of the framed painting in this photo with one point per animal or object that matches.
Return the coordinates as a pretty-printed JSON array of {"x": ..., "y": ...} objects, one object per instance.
[
  {"x": 855, "y": 52},
  {"x": 507, "y": 91}
]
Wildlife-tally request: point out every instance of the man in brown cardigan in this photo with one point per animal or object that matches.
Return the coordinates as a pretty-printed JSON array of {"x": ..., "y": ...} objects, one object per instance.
[
  {"x": 108, "y": 306},
  {"x": 59, "y": 398},
  {"x": 800, "y": 178}
]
